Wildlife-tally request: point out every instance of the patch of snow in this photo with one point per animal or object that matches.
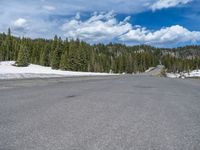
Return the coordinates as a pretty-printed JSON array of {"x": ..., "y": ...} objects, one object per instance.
[
  {"x": 173, "y": 75},
  {"x": 192, "y": 74},
  {"x": 8, "y": 71}
]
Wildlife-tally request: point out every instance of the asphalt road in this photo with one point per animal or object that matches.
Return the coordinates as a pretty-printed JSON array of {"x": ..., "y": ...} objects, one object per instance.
[
  {"x": 100, "y": 113},
  {"x": 154, "y": 71}
]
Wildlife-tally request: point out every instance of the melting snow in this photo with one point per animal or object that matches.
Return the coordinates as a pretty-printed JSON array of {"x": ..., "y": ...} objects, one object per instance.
[
  {"x": 8, "y": 71},
  {"x": 192, "y": 74}
]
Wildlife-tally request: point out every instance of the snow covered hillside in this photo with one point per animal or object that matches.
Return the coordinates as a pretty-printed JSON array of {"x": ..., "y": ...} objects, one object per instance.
[{"x": 8, "y": 71}]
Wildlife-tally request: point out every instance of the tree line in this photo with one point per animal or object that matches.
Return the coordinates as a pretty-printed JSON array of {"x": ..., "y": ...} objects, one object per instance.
[{"x": 77, "y": 55}]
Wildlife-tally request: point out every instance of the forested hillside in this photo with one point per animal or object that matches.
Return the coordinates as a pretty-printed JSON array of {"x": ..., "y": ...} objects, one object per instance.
[{"x": 78, "y": 55}]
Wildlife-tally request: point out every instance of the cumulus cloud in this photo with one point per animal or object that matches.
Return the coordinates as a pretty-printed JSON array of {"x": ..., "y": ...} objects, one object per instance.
[
  {"x": 100, "y": 27},
  {"x": 104, "y": 27},
  {"x": 160, "y": 4},
  {"x": 20, "y": 25},
  {"x": 20, "y": 22},
  {"x": 169, "y": 35}
]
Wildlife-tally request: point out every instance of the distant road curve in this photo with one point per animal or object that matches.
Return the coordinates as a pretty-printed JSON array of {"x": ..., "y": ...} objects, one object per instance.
[{"x": 154, "y": 71}]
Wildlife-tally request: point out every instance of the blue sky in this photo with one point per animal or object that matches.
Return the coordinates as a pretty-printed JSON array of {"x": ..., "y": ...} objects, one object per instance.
[{"x": 162, "y": 23}]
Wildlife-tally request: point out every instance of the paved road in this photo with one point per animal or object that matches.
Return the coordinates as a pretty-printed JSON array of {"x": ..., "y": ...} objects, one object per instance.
[{"x": 101, "y": 113}]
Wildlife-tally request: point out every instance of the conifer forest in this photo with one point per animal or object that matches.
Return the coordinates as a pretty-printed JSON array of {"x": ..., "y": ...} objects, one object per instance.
[{"x": 77, "y": 55}]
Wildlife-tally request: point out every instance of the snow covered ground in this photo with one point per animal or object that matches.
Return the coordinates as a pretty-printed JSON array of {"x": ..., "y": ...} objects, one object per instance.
[
  {"x": 8, "y": 71},
  {"x": 192, "y": 74}
]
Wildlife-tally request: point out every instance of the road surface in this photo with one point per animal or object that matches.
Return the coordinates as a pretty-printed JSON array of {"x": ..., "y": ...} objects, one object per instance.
[
  {"x": 154, "y": 71},
  {"x": 100, "y": 113}
]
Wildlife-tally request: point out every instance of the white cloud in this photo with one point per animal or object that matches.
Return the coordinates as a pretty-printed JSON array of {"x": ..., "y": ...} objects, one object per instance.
[
  {"x": 100, "y": 27},
  {"x": 20, "y": 22},
  {"x": 20, "y": 26},
  {"x": 104, "y": 27},
  {"x": 169, "y": 35},
  {"x": 160, "y": 4}
]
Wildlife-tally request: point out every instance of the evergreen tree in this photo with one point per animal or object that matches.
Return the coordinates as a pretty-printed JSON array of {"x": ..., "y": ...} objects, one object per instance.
[
  {"x": 22, "y": 59},
  {"x": 8, "y": 43},
  {"x": 44, "y": 58},
  {"x": 64, "y": 61},
  {"x": 53, "y": 47},
  {"x": 55, "y": 58},
  {"x": 1, "y": 52}
]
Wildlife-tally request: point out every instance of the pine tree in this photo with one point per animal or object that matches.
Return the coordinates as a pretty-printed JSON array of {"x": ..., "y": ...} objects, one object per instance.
[
  {"x": 44, "y": 58},
  {"x": 64, "y": 61},
  {"x": 22, "y": 60},
  {"x": 8, "y": 43},
  {"x": 55, "y": 58},
  {"x": 1, "y": 52},
  {"x": 53, "y": 47}
]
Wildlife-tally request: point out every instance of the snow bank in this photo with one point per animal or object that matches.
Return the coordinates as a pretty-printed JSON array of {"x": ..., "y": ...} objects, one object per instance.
[
  {"x": 173, "y": 75},
  {"x": 8, "y": 71},
  {"x": 192, "y": 74}
]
